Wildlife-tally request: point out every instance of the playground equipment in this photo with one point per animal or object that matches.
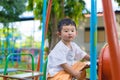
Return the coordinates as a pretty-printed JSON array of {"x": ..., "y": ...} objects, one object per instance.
[
  {"x": 107, "y": 70},
  {"x": 32, "y": 74},
  {"x": 44, "y": 32},
  {"x": 93, "y": 41},
  {"x": 109, "y": 62},
  {"x": 104, "y": 64},
  {"x": 27, "y": 74},
  {"x": 43, "y": 36},
  {"x": 109, "y": 59}
]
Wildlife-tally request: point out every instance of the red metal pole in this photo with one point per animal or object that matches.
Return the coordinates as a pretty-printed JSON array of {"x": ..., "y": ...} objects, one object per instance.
[
  {"x": 48, "y": 15},
  {"x": 38, "y": 67},
  {"x": 46, "y": 29},
  {"x": 112, "y": 38}
]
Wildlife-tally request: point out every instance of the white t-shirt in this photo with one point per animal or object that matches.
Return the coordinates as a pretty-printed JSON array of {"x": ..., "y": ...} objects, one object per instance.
[{"x": 62, "y": 54}]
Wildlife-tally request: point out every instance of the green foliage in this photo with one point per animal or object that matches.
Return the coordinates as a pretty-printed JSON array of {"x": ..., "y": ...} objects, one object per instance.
[
  {"x": 29, "y": 42},
  {"x": 70, "y": 8},
  {"x": 74, "y": 9},
  {"x": 8, "y": 38},
  {"x": 36, "y": 7},
  {"x": 60, "y": 9},
  {"x": 13, "y": 31},
  {"x": 11, "y": 9},
  {"x": 118, "y": 2}
]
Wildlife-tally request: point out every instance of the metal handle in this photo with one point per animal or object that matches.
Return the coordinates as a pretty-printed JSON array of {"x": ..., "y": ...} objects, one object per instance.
[{"x": 11, "y": 54}]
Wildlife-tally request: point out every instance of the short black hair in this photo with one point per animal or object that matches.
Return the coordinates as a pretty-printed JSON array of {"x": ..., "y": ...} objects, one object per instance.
[{"x": 65, "y": 22}]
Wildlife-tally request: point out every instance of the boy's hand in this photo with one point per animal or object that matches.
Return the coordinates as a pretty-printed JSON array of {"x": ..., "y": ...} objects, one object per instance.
[
  {"x": 77, "y": 75},
  {"x": 80, "y": 75}
]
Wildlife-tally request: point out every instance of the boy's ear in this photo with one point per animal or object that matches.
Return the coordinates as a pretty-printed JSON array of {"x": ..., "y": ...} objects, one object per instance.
[{"x": 58, "y": 33}]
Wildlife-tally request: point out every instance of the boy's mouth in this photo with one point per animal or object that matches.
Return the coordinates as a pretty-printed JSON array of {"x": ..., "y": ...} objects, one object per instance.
[{"x": 70, "y": 37}]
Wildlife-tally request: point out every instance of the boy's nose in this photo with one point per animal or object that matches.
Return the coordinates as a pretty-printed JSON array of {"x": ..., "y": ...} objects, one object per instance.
[{"x": 70, "y": 32}]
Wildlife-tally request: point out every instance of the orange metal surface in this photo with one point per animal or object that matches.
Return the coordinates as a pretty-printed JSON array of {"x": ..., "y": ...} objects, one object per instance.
[
  {"x": 48, "y": 15},
  {"x": 46, "y": 30},
  {"x": 113, "y": 57},
  {"x": 104, "y": 68},
  {"x": 38, "y": 67}
]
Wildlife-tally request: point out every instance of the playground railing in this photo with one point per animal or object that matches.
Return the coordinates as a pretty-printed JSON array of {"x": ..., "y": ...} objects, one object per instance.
[{"x": 12, "y": 54}]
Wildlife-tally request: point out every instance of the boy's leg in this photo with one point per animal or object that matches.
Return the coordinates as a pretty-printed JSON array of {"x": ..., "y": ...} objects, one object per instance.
[{"x": 62, "y": 75}]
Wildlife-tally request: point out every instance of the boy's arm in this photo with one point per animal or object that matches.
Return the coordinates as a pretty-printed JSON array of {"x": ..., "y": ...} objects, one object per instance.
[
  {"x": 71, "y": 71},
  {"x": 87, "y": 57}
]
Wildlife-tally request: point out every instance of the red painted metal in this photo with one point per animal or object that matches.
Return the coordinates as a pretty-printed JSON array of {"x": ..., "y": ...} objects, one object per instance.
[
  {"x": 48, "y": 15},
  {"x": 46, "y": 29},
  {"x": 104, "y": 67},
  {"x": 38, "y": 67},
  {"x": 113, "y": 57}
]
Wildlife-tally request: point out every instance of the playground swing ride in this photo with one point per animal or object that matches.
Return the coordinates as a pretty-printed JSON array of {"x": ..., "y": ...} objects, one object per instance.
[{"x": 109, "y": 61}]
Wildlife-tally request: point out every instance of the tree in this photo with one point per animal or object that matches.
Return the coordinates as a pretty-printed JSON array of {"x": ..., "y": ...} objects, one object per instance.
[
  {"x": 60, "y": 9},
  {"x": 118, "y": 2},
  {"x": 10, "y": 10}
]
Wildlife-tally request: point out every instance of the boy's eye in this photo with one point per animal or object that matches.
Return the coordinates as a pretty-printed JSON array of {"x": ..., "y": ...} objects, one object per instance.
[{"x": 66, "y": 31}]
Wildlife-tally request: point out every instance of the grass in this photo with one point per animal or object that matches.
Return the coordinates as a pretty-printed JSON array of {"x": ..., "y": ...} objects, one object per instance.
[
  {"x": 88, "y": 72},
  {"x": 14, "y": 64}
]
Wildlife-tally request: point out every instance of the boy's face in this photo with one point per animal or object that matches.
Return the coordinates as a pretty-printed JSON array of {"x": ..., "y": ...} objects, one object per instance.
[{"x": 68, "y": 33}]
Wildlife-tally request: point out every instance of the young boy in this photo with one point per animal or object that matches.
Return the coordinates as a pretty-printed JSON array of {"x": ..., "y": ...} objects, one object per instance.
[{"x": 64, "y": 60}]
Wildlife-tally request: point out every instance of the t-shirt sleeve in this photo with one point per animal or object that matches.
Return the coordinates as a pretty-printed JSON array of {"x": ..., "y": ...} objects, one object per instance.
[
  {"x": 57, "y": 57},
  {"x": 79, "y": 53}
]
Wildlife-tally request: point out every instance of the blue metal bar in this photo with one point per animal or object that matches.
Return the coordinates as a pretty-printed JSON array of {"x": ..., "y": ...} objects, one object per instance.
[
  {"x": 43, "y": 36},
  {"x": 93, "y": 41}
]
